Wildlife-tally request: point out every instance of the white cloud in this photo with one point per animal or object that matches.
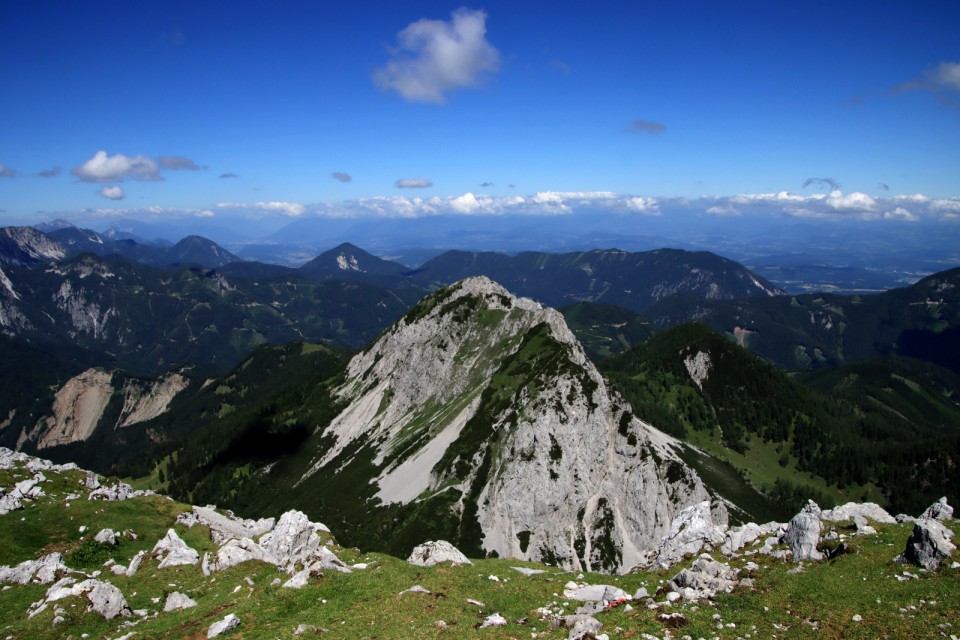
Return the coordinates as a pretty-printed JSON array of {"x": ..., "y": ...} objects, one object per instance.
[
  {"x": 855, "y": 201},
  {"x": 434, "y": 57},
  {"x": 724, "y": 210},
  {"x": 639, "y": 204},
  {"x": 292, "y": 209},
  {"x": 111, "y": 192},
  {"x": 900, "y": 214},
  {"x": 104, "y": 168},
  {"x": 412, "y": 183}
]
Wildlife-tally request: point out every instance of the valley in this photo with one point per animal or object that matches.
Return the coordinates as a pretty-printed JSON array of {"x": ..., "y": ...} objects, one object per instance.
[{"x": 398, "y": 406}]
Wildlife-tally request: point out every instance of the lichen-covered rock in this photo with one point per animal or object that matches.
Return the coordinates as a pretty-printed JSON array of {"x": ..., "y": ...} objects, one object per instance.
[
  {"x": 432, "y": 553},
  {"x": 929, "y": 544},
  {"x": 172, "y": 551},
  {"x": 803, "y": 533}
]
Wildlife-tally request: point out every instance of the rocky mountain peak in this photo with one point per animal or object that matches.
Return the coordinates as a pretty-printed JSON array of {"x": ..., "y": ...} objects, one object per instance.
[{"x": 485, "y": 403}]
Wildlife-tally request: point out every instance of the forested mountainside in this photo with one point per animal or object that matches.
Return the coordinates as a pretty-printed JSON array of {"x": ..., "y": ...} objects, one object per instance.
[{"x": 884, "y": 429}]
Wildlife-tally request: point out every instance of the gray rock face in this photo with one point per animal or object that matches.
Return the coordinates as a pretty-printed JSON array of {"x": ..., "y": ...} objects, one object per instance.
[
  {"x": 939, "y": 510},
  {"x": 869, "y": 510},
  {"x": 294, "y": 542},
  {"x": 172, "y": 551},
  {"x": 604, "y": 593},
  {"x": 103, "y": 597},
  {"x": 223, "y": 527},
  {"x": 542, "y": 490},
  {"x": 692, "y": 531},
  {"x": 176, "y": 601},
  {"x": 433, "y": 553},
  {"x": 928, "y": 545},
  {"x": 41, "y": 571},
  {"x": 234, "y": 552},
  {"x": 803, "y": 533},
  {"x": 227, "y": 624}
]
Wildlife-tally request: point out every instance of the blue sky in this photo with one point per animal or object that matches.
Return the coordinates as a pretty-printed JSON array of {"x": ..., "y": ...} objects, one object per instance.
[{"x": 282, "y": 111}]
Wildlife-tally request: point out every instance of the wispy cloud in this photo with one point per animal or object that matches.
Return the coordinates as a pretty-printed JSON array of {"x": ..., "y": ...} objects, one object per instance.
[
  {"x": 104, "y": 168},
  {"x": 179, "y": 163},
  {"x": 50, "y": 173},
  {"x": 6, "y": 172},
  {"x": 486, "y": 184},
  {"x": 341, "y": 176},
  {"x": 883, "y": 186},
  {"x": 292, "y": 209},
  {"x": 111, "y": 192},
  {"x": 412, "y": 183},
  {"x": 943, "y": 81},
  {"x": 227, "y": 176},
  {"x": 434, "y": 57},
  {"x": 638, "y": 127},
  {"x": 827, "y": 182}
]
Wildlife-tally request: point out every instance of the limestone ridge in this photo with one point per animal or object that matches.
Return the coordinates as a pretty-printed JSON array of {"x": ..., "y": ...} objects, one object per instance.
[{"x": 487, "y": 402}]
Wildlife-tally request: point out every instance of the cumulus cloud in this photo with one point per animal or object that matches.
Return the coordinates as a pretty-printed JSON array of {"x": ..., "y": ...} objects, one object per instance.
[
  {"x": 6, "y": 172},
  {"x": 412, "y": 183},
  {"x": 900, "y": 214},
  {"x": 50, "y": 173},
  {"x": 227, "y": 176},
  {"x": 179, "y": 163},
  {"x": 723, "y": 210},
  {"x": 341, "y": 176},
  {"x": 826, "y": 182},
  {"x": 434, "y": 57},
  {"x": 111, "y": 192},
  {"x": 104, "y": 168},
  {"x": 292, "y": 209},
  {"x": 647, "y": 127}
]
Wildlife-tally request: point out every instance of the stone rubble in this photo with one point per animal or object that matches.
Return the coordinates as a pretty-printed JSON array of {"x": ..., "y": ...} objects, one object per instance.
[
  {"x": 939, "y": 510},
  {"x": 43, "y": 570},
  {"x": 704, "y": 579}
]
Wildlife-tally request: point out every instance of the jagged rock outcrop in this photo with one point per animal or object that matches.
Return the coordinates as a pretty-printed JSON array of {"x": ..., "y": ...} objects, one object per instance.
[
  {"x": 103, "y": 597},
  {"x": 224, "y": 527},
  {"x": 851, "y": 510},
  {"x": 484, "y": 400},
  {"x": 939, "y": 510},
  {"x": 803, "y": 533},
  {"x": 437, "y": 552},
  {"x": 929, "y": 544},
  {"x": 43, "y": 570},
  {"x": 692, "y": 531},
  {"x": 172, "y": 551},
  {"x": 704, "y": 579}
]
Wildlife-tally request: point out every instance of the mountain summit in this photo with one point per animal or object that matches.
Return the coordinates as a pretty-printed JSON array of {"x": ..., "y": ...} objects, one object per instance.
[{"x": 479, "y": 418}]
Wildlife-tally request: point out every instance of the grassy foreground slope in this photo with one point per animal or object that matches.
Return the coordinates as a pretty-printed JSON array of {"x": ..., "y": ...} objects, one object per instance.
[{"x": 856, "y": 595}]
